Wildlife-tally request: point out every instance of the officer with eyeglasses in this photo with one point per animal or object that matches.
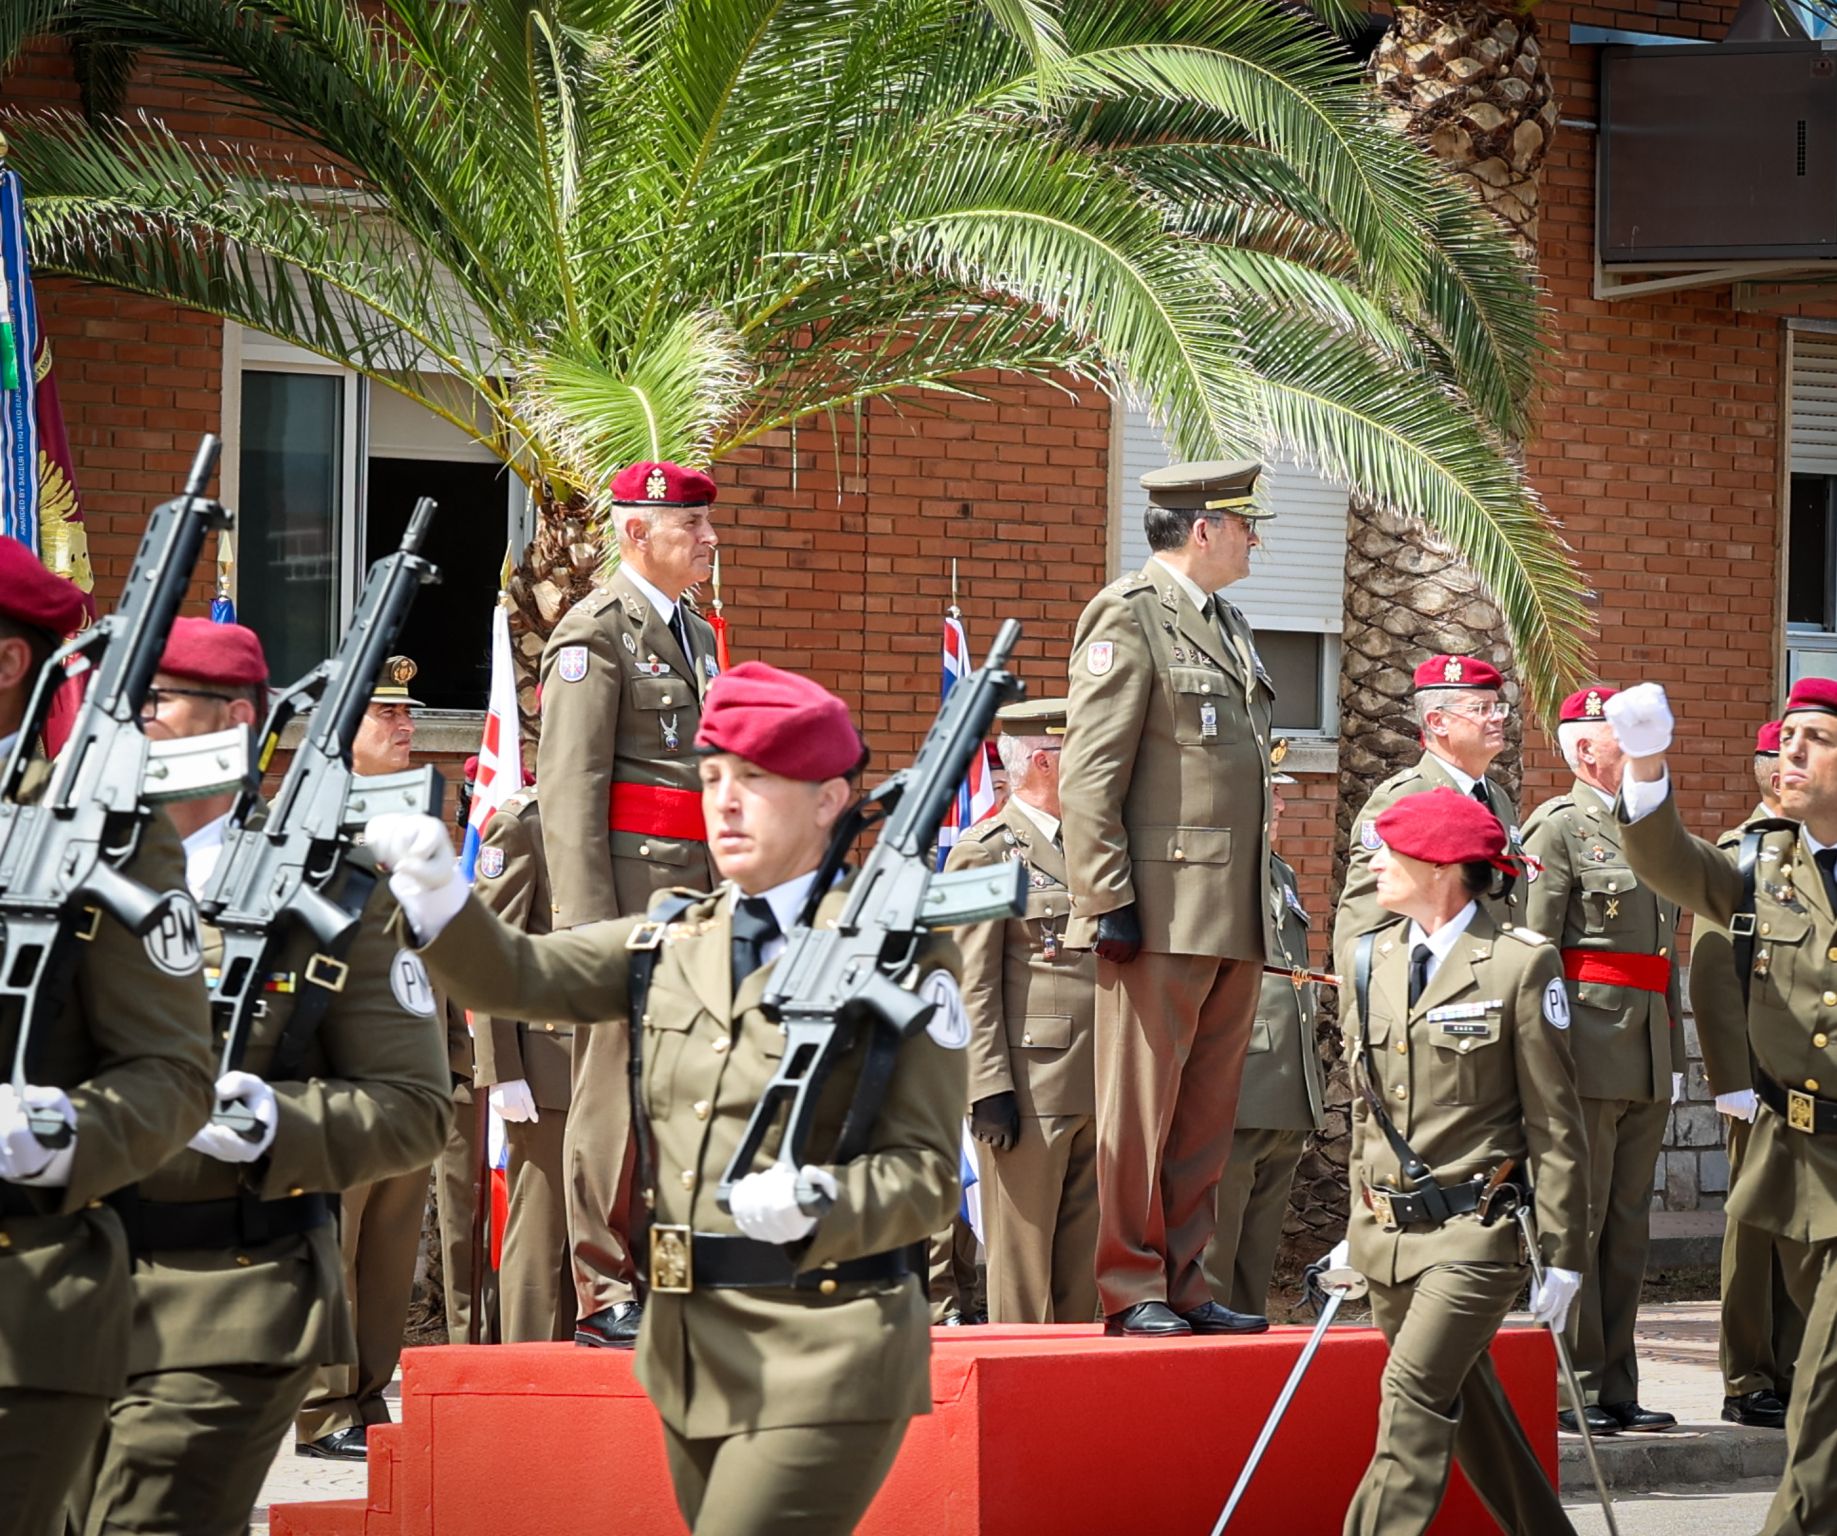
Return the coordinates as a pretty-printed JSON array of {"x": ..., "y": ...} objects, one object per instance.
[{"x": 1458, "y": 705}]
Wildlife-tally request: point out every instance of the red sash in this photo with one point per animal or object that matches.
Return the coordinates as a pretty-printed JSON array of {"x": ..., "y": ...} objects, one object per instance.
[{"x": 653, "y": 811}]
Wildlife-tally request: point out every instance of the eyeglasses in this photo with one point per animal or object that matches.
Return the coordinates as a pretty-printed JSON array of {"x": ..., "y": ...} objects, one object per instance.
[
  {"x": 156, "y": 698},
  {"x": 1499, "y": 711}
]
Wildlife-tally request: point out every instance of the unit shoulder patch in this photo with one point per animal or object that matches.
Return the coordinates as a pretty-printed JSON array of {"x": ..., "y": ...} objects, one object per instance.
[
  {"x": 1556, "y": 1005},
  {"x": 490, "y": 862},
  {"x": 408, "y": 981},
  {"x": 175, "y": 943}
]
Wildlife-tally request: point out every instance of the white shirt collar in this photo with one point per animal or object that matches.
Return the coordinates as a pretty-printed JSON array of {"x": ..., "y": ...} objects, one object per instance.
[
  {"x": 787, "y": 904},
  {"x": 1443, "y": 939},
  {"x": 1606, "y": 798},
  {"x": 1192, "y": 588},
  {"x": 1464, "y": 781},
  {"x": 1047, "y": 824},
  {"x": 202, "y": 849},
  {"x": 666, "y": 606}
]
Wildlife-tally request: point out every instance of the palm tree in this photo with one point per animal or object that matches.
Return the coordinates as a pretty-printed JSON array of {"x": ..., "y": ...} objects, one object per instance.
[{"x": 666, "y": 228}]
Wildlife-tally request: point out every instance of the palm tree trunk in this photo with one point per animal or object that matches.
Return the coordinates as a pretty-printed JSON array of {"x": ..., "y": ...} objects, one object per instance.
[{"x": 557, "y": 571}]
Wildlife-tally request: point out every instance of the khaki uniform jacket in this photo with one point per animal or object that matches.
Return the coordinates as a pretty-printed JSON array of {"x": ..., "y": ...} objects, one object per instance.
[
  {"x": 1627, "y": 1041},
  {"x": 1282, "y": 1088},
  {"x": 373, "y": 1099},
  {"x": 1032, "y": 1013},
  {"x": 132, "y": 1050},
  {"x": 1715, "y": 993},
  {"x": 616, "y": 693},
  {"x": 723, "y": 1361},
  {"x": 1788, "y": 1183},
  {"x": 1164, "y": 776},
  {"x": 1478, "y": 1071},
  {"x": 517, "y": 890},
  {"x": 1359, "y": 911}
]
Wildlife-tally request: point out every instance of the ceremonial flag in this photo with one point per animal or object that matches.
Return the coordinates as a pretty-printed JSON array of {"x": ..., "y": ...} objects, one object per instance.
[
  {"x": 970, "y": 1209},
  {"x": 976, "y": 795},
  {"x": 500, "y": 754},
  {"x": 497, "y": 1141},
  {"x": 717, "y": 621},
  {"x": 223, "y": 606}
]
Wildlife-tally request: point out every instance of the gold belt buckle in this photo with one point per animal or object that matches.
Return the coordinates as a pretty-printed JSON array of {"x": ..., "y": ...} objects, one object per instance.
[
  {"x": 672, "y": 1263},
  {"x": 1800, "y": 1110},
  {"x": 1381, "y": 1208}
]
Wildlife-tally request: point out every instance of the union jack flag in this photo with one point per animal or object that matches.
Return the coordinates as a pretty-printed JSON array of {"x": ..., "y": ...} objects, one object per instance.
[{"x": 976, "y": 794}]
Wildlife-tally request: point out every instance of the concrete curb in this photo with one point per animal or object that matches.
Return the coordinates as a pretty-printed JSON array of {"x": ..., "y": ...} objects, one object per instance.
[{"x": 1690, "y": 1454}]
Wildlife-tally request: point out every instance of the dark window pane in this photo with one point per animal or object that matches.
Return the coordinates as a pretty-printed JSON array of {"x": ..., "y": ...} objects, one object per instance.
[
  {"x": 1808, "y": 553},
  {"x": 1294, "y": 659}
]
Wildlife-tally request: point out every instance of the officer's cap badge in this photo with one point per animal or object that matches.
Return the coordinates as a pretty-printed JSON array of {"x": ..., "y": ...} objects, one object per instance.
[
  {"x": 656, "y": 487},
  {"x": 402, "y": 670},
  {"x": 1593, "y": 705},
  {"x": 1451, "y": 673}
]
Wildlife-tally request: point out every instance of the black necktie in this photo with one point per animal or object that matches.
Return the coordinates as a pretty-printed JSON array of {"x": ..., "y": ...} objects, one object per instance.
[
  {"x": 754, "y": 928},
  {"x": 1827, "y": 862},
  {"x": 1479, "y": 793},
  {"x": 679, "y": 627},
  {"x": 1419, "y": 971}
]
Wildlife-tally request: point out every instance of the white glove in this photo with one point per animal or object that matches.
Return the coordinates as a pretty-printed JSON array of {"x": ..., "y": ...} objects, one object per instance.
[
  {"x": 514, "y": 1102},
  {"x": 23, "y": 1157},
  {"x": 423, "y": 873},
  {"x": 765, "y": 1207},
  {"x": 1738, "y": 1106},
  {"x": 1677, "y": 1087},
  {"x": 224, "y": 1142},
  {"x": 1550, "y": 1301},
  {"x": 1641, "y": 718}
]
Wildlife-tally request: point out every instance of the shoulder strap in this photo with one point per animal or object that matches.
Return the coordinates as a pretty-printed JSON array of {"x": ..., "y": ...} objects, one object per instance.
[
  {"x": 1414, "y": 1169},
  {"x": 323, "y": 980},
  {"x": 1741, "y": 924},
  {"x": 638, "y": 991}
]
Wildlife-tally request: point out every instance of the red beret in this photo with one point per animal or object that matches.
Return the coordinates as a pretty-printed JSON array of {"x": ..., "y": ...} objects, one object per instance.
[
  {"x": 31, "y": 595},
  {"x": 1585, "y": 704},
  {"x": 784, "y": 723},
  {"x": 227, "y": 654},
  {"x": 1813, "y": 693},
  {"x": 652, "y": 484},
  {"x": 1457, "y": 672},
  {"x": 1767, "y": 740},
  {"x": 1442, "y": 826}
]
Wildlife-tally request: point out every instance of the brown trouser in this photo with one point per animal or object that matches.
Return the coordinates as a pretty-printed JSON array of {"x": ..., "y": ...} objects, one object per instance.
[
  {"x": 47, "y": 1440},
  {"x": 1172, "y": 1032},
  {"x": 598, "y": 1153},
  {"x": 1039, "y": 1221},
  {"x": 804, "y": 1480},
  {"x": 954, "y": 1287},
  {"x": 1442, "y": 1402},
  {"x": 535, "y": 1284},
  {"x": 453, "y": 1190},
  {"x": 1761, "y": 1324},
  {"x": 1806, "y": 1503},
  {"x": 1624, "y": 1137},
  {"x": 1252, "y": 1203},
  {"x": 380, "y": 1233}
]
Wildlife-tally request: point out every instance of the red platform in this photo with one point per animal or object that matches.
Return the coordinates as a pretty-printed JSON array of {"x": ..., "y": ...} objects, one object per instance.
[{"x": 1053, "y": 1430}]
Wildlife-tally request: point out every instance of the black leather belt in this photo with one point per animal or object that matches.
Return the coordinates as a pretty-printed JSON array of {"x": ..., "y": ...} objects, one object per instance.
[
  {"x": 1432, "y": 1205},
  {"x": 158, "y": 1226},
  {"x": 1801, "y": 1111},
  {"x": 682, "y": 1261}
]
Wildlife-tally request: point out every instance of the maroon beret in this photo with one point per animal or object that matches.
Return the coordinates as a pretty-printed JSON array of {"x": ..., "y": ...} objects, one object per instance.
[
  {"x": 781, "y": 722},
  {"x": 227, "y": 654},
  {"x": 652, "y": 484},
  {"x": 1813, "y": 693},
  {"x": 1442, "y": 826},
  {"x": 1457, "y": 672},
  {"x": 1767, "y": 740},
  {"x": 31, "y": 595},
  {"x": 1585, "y": 704}
]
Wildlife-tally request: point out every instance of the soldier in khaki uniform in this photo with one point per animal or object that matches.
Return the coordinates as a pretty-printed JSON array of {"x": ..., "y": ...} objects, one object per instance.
[
  {"x": 1032, "y": 1002},
  {"x": 238, "y": 1284},
  {"x": 1788, "y": 1184},
  {"x": 1619, "y": 944},
  {"x": 1281, "y": 1104},
  {"x": 127, "y": 1064},
  {"x": 1762, "y": 1326},
  {"x": 622, "y": 685},
  {"x": 1460, "y": 706},
  {"x": 785, "y": 1351},
  {"x": 528, "y": 1069},
  {"x": 1165, "y": 791},
  {"x": 1464, "y": 1056}
]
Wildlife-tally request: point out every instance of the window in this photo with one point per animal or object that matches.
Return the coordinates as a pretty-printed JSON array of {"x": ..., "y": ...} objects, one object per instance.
[{"x": 1811, "y": 536}]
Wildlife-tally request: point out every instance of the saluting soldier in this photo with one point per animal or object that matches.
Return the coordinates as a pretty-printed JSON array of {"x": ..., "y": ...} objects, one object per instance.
[
  {"x": 1165, "y": 793},
  {"x": 1032, "y": 1002},
  {"x": 1762, "y": 1326},
  {"x": 238, "y": 1286},
  {"x": 622, "y": 684},
  {"x": 1459, "y": 704},
  {"x": 1458, "y": 1028},
  {"x": 1785, "y": 937},
  {"x": 1618, "y": 939},
  {"x": 126, "y": 1065},
  {"x": 527, "y": 1068},
  {"x": 785, "y": 1349},
  {"x": 1282, "y": 1102}
]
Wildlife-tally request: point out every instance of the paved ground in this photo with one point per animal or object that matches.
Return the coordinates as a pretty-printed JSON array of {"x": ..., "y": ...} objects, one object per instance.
[{"x": 1727, "y": 1509}]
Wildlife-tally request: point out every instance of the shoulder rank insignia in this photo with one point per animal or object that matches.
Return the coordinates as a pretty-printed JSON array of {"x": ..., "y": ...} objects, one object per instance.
[{"x": 1522, "y": 934}]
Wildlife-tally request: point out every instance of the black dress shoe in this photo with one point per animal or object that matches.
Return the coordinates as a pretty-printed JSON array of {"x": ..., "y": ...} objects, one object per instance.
[
  {"x": 614, "y": 1327},
  {"x": 339, "y": 1445},
  {"x": 1147, "y": 1320},
  {"x": 952, "y": 1320},
  {"x": 1759, "y": 1410},
  {"x": 1639, "y": 1421},
  {"x": 1212, "y": 1318},
  {"x": 1600, "y": 1421}
]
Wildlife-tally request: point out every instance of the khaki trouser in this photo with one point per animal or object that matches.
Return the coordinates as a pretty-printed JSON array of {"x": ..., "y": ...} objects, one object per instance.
[
  {"x": 954, "y": 1287},
  {"x": 1624, "y": 1138},
  {"x": 380, "y": 1234},
  {"x": 46, "y": 1443},
  {"x": 805, "y": 1480},
  {"x": 1039, "y": 1220},
  {"x": 1806, "y": 1503},
  {"x": 1441, "y": 1401},
  {"x": 1761, "y": 1324},
  {"x": 1252, "y": 1203},
  {"x": 599, "y": 1156},
  {"x": 185, "y": 1452},
  {"x": 1172, "y": 1033},
  {"x": 536, "y": 1282},
  {"x": 453, "y": 1189}
]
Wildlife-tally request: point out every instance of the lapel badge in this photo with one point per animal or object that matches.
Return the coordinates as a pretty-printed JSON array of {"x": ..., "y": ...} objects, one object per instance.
[
  {"x": 1613, "y": 906},
  {"x": 1598, "y": 854},
  {"x": 1179, "y": 655},
  {"x": 630, "y": 644}
]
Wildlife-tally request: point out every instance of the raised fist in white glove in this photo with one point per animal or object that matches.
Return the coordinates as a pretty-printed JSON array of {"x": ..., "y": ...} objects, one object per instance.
[
  {"x": 23, "y": 1157},
  {"x": 514, "y": 1102},
  {"x": 764, "y": 1205},
  {"x": 1641, "y": 718},
  {"x": 1550, "y": 1300},
  {"x": 1738, "y": 1106},
  {"x": 247, "y": 1092},
  {"x": 423, "y": 873}
]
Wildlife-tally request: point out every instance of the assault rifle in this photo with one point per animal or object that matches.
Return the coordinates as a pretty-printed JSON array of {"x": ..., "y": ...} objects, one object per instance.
[
  {"x": 278, "y": 871},
  {"x": 835, "y": 982},
  {"x": 61, "y": 856}
]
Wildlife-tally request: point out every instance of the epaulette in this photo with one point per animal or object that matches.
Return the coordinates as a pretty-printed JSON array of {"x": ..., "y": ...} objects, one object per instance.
[
  {"x": 985, "y": 831},
  {"x": 597, "y": 601},
  {"x": 519, "y": 801},
  {"x": 1523, "y": 934},
  {"x": 1135, "y": 581},
  {"x": 674, "y": 895}
]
